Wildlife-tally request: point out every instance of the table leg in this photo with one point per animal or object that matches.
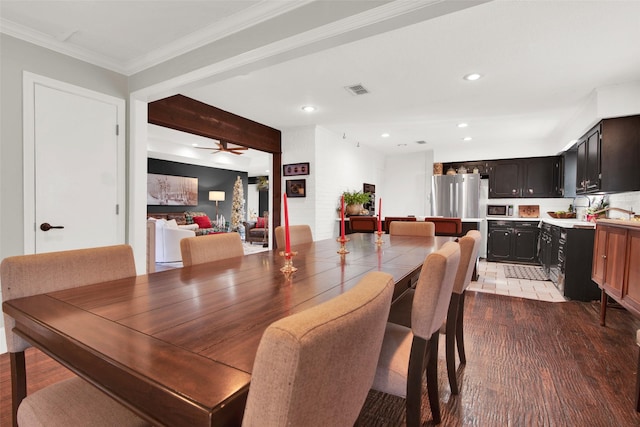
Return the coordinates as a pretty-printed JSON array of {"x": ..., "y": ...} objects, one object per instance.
[{"x": 603, "y": 307}]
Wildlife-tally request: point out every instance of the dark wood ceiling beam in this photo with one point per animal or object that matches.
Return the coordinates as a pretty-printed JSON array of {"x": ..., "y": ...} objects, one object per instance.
[{"x": 188, "y": 115}]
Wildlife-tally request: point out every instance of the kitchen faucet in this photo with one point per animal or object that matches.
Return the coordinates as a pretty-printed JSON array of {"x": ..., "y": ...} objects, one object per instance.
[
  {"x": 575, "y": 208},
  {"x": 586, "y": 197}
]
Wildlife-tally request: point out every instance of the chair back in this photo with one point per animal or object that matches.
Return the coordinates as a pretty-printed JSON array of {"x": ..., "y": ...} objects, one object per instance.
[
  {"x": 414, "y": 228},
  {"x": 211, "y": 247},
  {"x": 469, "y": 247},
  {"x": 433, "y": 290},
  {"x": 299, "y": 235},
  {"x": 315, "y": 368},
  {"x": 27, "y": 275}
]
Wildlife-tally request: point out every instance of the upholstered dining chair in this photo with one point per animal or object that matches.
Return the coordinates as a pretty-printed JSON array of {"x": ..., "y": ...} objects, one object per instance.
[
  {"x": 407, "y": 351},
  {"x": 453, "y": 325},
  {"x": 412, "y": 228},
  {"x": 315, "y": 367},
  {"x": 72, "y": 402},
  {"x": 299, "y": 235},
  {"x": 638, "y": 373},
  {"x": 212, "y": 247}
]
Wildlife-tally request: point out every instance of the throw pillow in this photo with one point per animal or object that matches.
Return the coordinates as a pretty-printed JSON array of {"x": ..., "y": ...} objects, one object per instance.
[
  {"x": 260, "y": 222},
  {"x": 202, "y": 221},
  {"x": 172, "y": 224}
]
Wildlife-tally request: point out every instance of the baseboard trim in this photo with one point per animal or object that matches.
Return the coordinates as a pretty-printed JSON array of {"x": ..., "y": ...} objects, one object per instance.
[{"x": 3, "y": 341}]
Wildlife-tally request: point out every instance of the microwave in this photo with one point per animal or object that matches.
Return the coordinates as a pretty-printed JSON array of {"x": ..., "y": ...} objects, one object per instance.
[{"x": 499, "y": 210}]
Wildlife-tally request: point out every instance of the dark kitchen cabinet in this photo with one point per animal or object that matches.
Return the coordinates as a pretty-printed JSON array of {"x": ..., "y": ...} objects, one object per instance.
[
  {"x": 589, "y": 162},
  {"x": 513, "y": 241},
  {"x": 504, "y": 179},
  {"x": 537, "y": 177},
  {"x": 541, "y": 176},
  {"x": 608, "y": 157},
  {"x": 548, "y": 253}
]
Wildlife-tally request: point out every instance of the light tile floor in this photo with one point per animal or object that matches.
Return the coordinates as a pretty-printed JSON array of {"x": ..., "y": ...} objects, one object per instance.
[{"x": 492, "y": 280}]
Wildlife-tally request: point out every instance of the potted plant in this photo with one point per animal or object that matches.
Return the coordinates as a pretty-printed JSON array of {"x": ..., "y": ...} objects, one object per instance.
[{"x": 354, "y": 200}]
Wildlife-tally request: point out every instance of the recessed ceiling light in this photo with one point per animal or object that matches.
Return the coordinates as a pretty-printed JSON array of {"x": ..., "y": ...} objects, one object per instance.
[
  {"x": 462, "y": 125},
  {"x": 467, "y": 138},
  {"x": 385, "y": 135},
  {"x": 309, "y": 108},
  {"x": 473, "y": 76}
]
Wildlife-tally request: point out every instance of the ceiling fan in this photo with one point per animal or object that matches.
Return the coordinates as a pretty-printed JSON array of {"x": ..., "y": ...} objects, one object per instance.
[{"x": 224, "y": 148}]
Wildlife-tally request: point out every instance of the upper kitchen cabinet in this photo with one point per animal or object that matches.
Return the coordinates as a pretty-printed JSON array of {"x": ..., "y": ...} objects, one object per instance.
[
  {"x": 504, "y": 178},
  {"x": 608, "y": 157},
  {"x": 524, "y": 178}
]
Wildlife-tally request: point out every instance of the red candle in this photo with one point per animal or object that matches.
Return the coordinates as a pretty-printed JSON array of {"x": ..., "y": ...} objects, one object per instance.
[
  {"x": 342, "y": 217},
  {"x": 287, "y": 237},
  {"x": 380, "y": 215}
]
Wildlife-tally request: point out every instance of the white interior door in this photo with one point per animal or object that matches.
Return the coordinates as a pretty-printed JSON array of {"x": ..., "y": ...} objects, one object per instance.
[{"x": 78, "y": 169}]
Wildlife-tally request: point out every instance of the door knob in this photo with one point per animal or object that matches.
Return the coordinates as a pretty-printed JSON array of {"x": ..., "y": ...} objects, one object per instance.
[{"x": 45, "y": 226}]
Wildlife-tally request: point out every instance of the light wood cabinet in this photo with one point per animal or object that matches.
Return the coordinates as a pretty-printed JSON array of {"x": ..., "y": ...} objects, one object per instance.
[{"x": 616, "y": 264}]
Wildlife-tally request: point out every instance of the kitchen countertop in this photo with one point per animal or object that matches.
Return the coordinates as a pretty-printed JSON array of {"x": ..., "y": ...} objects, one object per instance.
[
  {"x": 565, "y": 223},
  {"x": 510, "y": 218}
]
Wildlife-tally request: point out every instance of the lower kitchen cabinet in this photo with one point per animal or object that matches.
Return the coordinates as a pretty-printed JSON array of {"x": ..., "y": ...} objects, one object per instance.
[
  {"x": 565, "y": 255},
  {"x": 615, "y": 268},
  {"x": 512, "y": 241}
]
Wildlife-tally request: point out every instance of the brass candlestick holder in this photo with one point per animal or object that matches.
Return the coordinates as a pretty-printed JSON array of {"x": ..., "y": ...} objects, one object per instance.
[
  {"x": 342, "y": 240},
  {"x": 288, "y": 267},
  {"x": 379, "y": 240}
]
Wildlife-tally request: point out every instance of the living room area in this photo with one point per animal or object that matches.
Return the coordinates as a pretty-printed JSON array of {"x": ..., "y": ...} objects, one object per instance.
[{"x": 185, "y": 200}]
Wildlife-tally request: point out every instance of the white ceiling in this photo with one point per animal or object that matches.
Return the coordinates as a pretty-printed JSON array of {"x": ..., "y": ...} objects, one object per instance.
[{"x": 540, "y": 61}]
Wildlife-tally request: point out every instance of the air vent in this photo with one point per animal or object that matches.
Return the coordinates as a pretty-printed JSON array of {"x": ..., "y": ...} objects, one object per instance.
[
  {"x": 357, "y": 89},
  {"x": 421, "y": 142}
]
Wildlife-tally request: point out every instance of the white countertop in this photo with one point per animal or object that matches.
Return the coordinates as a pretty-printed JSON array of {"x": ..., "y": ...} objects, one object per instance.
[
  {"x": 565, "y": 223},
  {"x": 569, "y": 223},
  {"x": 511, "y": 218}
]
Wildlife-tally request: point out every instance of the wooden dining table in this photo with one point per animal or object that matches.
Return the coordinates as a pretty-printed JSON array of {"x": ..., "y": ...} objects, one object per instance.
[{"x": 177, "y": 346}]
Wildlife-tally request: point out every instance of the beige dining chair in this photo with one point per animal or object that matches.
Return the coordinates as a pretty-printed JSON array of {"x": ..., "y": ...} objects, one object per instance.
[
  {"x": 72, "y": 402},
  {"x": 406, "y": 351},
  {"x": 315, "y": 367},
  {"x": 453, "y": 325},
  {"x": 299, "y": 235},
  {"x": 212, "y": 247},
  {"x": 412, "y": 228}
]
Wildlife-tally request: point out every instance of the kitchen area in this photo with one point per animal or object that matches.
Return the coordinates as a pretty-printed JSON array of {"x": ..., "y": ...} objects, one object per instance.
[{"x": 543, "y": 211}]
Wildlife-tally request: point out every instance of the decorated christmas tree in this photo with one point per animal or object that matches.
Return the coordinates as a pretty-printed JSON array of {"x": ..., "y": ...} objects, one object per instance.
[{"x": 237, "y": 207}]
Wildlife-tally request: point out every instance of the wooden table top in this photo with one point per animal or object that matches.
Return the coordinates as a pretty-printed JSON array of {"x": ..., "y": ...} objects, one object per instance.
[{"x": 178, "y": 346}]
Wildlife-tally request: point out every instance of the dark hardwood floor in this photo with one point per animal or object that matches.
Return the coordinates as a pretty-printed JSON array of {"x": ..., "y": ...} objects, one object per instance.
[{"x": 529, "y": 363}]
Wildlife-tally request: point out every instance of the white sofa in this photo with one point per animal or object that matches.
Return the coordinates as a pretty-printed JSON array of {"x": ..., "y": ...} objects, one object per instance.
[{"x": 168, "y": 236}]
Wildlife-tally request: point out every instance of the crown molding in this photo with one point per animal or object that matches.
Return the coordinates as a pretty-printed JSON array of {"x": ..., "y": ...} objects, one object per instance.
[
  {"x": 47, "y": 41},
  {"x": 237, "y": 22}
]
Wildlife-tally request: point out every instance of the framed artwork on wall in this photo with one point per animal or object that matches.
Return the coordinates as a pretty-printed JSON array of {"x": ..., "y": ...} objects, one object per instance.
[
  {"x": 295, "y": 169},
  {"x": 296, "y": 188},
  {"x": 169, "y": 190}
]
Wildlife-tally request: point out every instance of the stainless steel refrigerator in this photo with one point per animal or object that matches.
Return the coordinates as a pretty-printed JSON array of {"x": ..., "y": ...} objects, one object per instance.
[{"x": 456, "y": 196}]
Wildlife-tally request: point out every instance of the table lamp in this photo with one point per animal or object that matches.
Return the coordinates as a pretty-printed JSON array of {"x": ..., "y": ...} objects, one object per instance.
[{"x": 216, "y": 196}]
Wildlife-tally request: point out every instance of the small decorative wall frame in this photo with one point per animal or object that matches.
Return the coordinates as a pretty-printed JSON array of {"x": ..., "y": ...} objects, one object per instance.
[
  {"x": 296, "y": 188},
  {"x": 295, "y": 169}
]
